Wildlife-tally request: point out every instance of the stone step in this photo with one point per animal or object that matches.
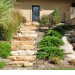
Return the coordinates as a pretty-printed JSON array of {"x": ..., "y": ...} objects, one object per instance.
[
  {"x": 23, "y": 47},
  {"x": 28, "y": 28},
  {"x": 21, "y": 63},
  {"x": 27, "y": 31},
  {"x": 31, "y": 23},
  {"x": 22, "y": 43},
  {"x": 36, "y": 23},
  {"x": 24, "y": 38},
  {"x": 22, "y": 58},
  {"x": 26, "y": 35},
  {"x": 23, "y": 53},
  {"x": 28, "y": 23}
]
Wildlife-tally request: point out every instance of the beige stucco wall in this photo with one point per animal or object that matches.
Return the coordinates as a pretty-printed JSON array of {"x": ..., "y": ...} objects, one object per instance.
[{"x": 47, "y": 6}]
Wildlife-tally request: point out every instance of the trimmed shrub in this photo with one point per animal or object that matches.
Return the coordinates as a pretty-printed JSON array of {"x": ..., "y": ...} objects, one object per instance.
[
  {"x": 5, "y": 49},
  {"x": 55, "y": 17},
  {"x": 50, "y": 41},
  {"x": 2, "y": 64},
  {"x": 44, "y": 21},
  {"x": 53, "y": 33},
  {"x": 50, "y": 52}
]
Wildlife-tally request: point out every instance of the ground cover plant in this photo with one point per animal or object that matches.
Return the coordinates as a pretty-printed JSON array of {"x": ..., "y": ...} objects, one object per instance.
[
  {"x": 2, "y": 64},
  {"x": 5, "y": 49}
]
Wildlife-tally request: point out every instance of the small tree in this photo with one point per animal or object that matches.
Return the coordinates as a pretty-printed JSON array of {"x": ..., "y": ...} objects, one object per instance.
[
  {"x": 55, "y": 17},
  {"x": 44, "y": 21}
]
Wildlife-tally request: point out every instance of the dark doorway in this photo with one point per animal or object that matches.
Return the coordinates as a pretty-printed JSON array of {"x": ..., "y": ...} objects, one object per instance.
[{"x": 35, "y": 12}]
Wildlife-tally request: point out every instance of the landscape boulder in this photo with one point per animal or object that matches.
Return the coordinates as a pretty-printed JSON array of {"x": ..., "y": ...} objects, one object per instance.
[{"x": 67, "y": 47}]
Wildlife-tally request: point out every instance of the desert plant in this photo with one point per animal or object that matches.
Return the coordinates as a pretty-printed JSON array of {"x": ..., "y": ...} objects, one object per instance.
[
  {"x": 50, "y": 41},
  {"x": 53, "y": 33},
  {"x": 55, "y": 60},
  {"x": 5, "y": 49},
  {"x": 2, "y": 64},
  {"x": 55, "y": 17},
  {"x": 44, "y": 21},
  {"x": 50, "y": 52}
]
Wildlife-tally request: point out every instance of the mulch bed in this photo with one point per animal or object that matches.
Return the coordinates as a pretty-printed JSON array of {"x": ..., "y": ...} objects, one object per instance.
[{"x": 46, "y": 65}]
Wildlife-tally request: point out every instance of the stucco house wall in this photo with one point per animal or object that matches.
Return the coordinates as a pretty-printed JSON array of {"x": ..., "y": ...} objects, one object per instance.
[{"x": 47, "y": 7}]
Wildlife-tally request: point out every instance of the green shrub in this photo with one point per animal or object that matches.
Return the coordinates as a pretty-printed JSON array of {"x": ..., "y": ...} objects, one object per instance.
[
  {"x": 50, "y": 41},
  {"x": 53, "y": 33},
  {"x": 5, "y": 49},
  {"x": 50, "y": 52},
  {"x": 44, "y": 21},
  {"x": 2, "y": 64},
  {"x": 55, "y": 17}
]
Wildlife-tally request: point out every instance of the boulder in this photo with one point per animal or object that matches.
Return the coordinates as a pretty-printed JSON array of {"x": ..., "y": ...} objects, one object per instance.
[
  {"x": 71, "y": 56},
  {"x": 69, "y": 39},
  {"x": 67, "y": 47},
  {"x": 65, "y": 40}
]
